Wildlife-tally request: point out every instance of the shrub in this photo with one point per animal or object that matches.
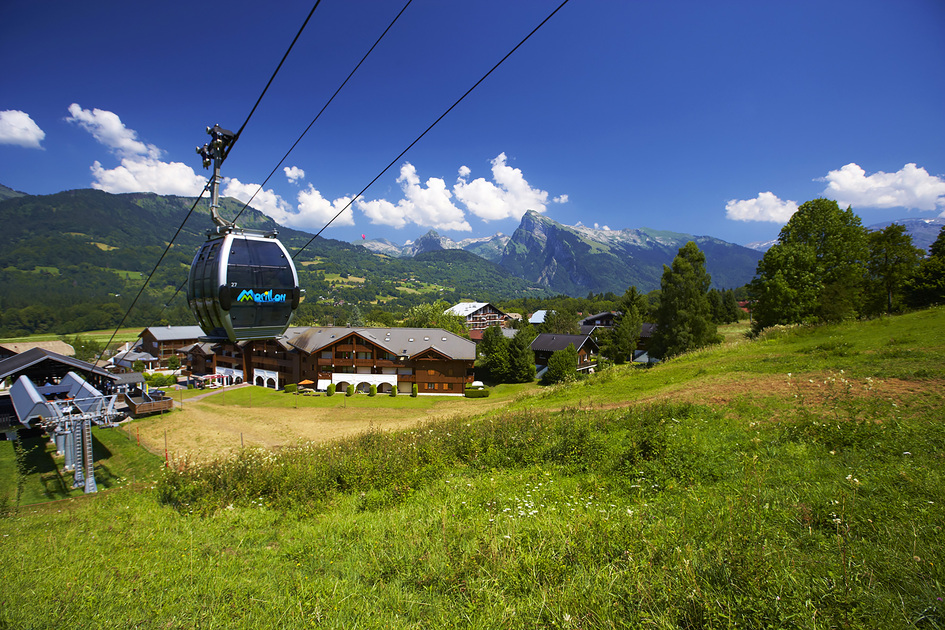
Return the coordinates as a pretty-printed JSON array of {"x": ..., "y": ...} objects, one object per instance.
[
  {"x": 290, "y": 388},
  {"x": 349, "y": 391},
  {"x": 476, "y": 393},
  {"x": 331, "y": 389},
  {"x": 393, "y": 391},
  {"x": 415, "y": 390},
  {"x": 373, "y": 391}
]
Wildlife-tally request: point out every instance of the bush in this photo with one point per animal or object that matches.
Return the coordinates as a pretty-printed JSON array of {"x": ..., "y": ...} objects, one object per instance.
[
  {"x": 349, "y": 391},
  {"x": 331, "y": 389},
  {"x": 290, "y": 388},
  {"x": 415, "y": 390},
  {"x": 393, "y": 391},
  {"x": 373, "y": 391},
  {"x": 477, "y": 392}
]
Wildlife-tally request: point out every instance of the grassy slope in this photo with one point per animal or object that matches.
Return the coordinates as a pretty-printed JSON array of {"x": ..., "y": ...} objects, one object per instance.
[{"x": 790, "y": 494}]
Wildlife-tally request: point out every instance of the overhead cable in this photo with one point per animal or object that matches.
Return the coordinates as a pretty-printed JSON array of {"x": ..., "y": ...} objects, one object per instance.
[
  {"x": 235, "y": 138},
  {"x": 324, "y": 107},
  {"x": 442, "y": 116}
]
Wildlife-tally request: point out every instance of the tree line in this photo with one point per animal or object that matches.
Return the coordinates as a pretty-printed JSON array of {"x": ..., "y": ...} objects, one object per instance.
[{"x": 825, "y": 267}]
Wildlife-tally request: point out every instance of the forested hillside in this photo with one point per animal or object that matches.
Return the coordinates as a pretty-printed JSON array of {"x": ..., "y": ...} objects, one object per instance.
[{"x": 75, "y": 261}]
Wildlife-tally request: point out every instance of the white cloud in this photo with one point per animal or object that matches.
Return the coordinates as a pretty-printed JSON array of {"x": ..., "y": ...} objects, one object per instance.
[
  {"x": 510, "y": 196},
  {"x": 428, "y": 205},
  {"x": 315, "y": 211},
  {"x": 107, "y": 128},
  {"x": 140, "y": 170},
  {"x": 294, "y": 174},
  {"x": 147, "y": 175},
  {"x": 910, "y": 187},
  {"x": 561, "y": 199},
  {"x": 265, "y": 201},
  {"x": 765, "y": 207},
  {"x": 18, "y": 128}
]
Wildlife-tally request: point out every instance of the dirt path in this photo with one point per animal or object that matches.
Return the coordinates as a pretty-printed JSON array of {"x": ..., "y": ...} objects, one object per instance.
[{"x": 203, "y": 430}]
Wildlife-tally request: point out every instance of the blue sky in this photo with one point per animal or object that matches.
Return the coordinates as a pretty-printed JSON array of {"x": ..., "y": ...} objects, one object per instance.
[{"x": 710, "y": 118}]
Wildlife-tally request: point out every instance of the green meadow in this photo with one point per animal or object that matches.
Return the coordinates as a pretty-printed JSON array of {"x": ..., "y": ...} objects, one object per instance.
[{"x": 790, "y": 481}]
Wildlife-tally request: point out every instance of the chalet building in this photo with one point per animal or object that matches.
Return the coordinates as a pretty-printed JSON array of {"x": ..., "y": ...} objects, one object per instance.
[
  {"x": 538, "y": 317},
  {"x": 124, "y": 361},
  {"x": 437, "y": 361},
  {"x": 479, "y": 315},
  {"x": 546, "y": 344},
  {"x": 589, "y": 325},
  {"x": 164, "y": 342}
]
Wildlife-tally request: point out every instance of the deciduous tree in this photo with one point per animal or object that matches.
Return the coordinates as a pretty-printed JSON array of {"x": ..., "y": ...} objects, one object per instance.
[
  {"x": 817, "y": 269},
  {"x": 892, "y": 261},
  {"x": 927, "y": 286},
  {"x": 562, "y": 366}
]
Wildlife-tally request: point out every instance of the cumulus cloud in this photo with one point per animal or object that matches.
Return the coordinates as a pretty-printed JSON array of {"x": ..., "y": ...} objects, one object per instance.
[
  {"x": 148, "y": 175},
  {"x": 107, "y": 128},
  {"x": 294, "y": 174},
  {"x": 909, "y": 187},
  {"x": 509, "y": 197},
  {"x": 315, "y": 211},
  {"x": 18, "y": 128},
  {"x": 765, "y": 207},
  {"x": 141, "y": 169},
  {"x": 265, "y": 201},
  {"x": 561, "y": 199},
  {"x": 427, "y": 204}
]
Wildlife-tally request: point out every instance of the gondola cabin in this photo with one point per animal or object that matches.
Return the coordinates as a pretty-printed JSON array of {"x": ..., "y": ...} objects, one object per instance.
[{"x": 243, "y": 285}]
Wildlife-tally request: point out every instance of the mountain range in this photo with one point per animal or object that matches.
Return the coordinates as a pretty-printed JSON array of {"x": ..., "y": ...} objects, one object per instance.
[
  {"x": 128, "y": 232},
  {"x": 575, "y": 259}
]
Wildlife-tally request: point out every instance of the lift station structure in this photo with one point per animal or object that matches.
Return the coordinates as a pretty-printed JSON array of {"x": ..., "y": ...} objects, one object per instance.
[{"x": 66, "y": 410}]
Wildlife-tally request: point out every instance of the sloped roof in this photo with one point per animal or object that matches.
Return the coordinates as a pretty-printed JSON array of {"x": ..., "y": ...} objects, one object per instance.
[
  {"x": 133, "y": 356},
  {"x": 552, "y": 342},
  {"x": 405, "y": 342},
  {"x": 32, "y": 362},
  {"x": 174, "y": 333},
  {"x": 604, "y": 315},
  {"x": 538, "y": 317},
  {"x": 465, "y": 309},
  {"x": 59, "y": 347}
]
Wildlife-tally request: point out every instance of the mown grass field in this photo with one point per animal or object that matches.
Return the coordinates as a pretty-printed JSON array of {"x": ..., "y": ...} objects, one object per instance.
[
  {"x": 794, "y": 481},
  {"x": 123, "y": 335}
]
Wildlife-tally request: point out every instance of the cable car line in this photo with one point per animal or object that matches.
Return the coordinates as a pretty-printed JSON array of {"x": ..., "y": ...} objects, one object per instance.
[
  {"x": 442, "y": 116},
  {"x": 212, "y": 304},
  {"x": 208, "y": 185},
  {"x": 271, "y": 79},
  {"x": 324, "y": 107},
  {"x": 170, "y": 244},
  {"x": 302, "y": 135}
]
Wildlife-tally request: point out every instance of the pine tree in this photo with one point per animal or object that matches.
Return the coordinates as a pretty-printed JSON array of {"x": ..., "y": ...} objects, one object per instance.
[{"x": 684, "y": 318}]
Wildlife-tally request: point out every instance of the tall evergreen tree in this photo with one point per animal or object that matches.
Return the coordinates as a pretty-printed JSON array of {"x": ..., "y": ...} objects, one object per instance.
[
  {"x": 684, "y": 317},
  {"x": 495, "y": 355},
  {"x": 621, "y": 342},
  {"x": 521, "y": 357}
]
